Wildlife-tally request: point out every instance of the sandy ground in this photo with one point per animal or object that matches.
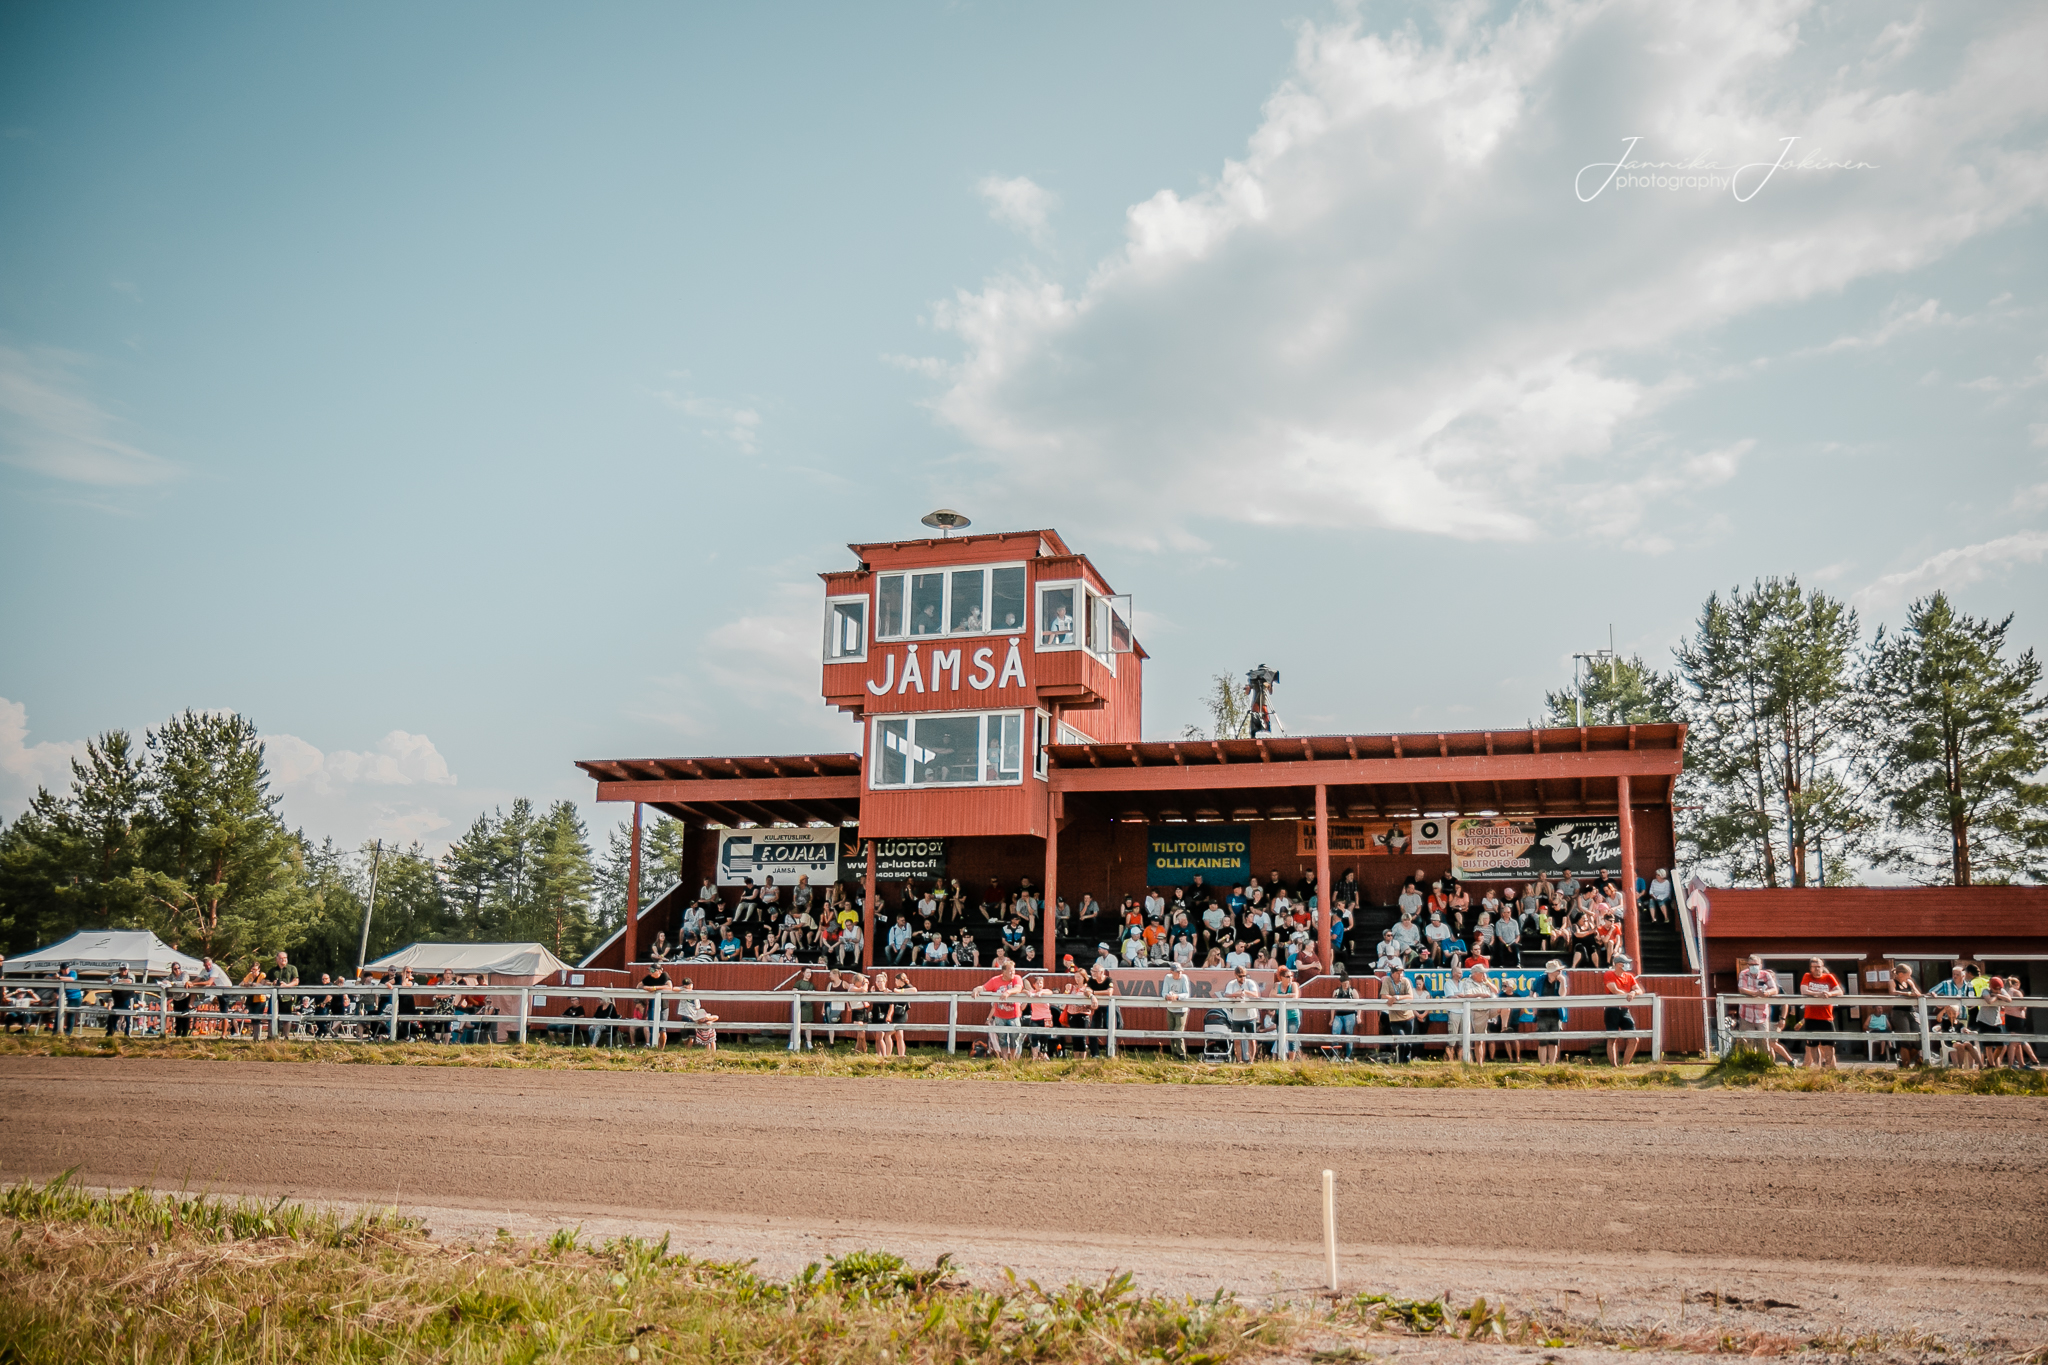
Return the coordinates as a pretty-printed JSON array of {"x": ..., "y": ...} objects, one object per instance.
[{"x": 1861, "y": 1213}]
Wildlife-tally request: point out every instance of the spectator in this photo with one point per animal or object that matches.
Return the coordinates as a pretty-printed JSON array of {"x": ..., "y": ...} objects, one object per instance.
[
  {"x": 691, "y": 1011},
  {"x": 1660, "y": 896},
  {"x": 573, "y": 1011},
  {"x": 1758, "y": 982},
  {"x": 1436, "y": 934},
  {"x": 1037, "y": 1018},
  {"x": 1620, "y": 980},
  {"x": 1507, "y": 938},
  {"x": 121, "y": 1000},
  {"x": 1410, "y": 901},
  {"x": 1004, "y": 1029},
  {"x": 1400, "y": 993},
  {"x": 1177, "y": 987},
  {"x": 1102, "y": 991},
  {"x": 1821, "y": 983},
  {"x": 806, "y": 985},
  {"x": 1344, "y": 1022},
  {"x": 1241, "y": 994},
  {"x": 656, "y": 982},
  {"x": 966, "y": 952},
  {"x": 1552, "y": 985},
  {"x": 659, "y": 950},
  {"x": 1284, "y": 988}
]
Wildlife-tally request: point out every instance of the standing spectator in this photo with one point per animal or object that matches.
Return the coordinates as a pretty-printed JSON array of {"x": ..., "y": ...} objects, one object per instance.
[
  {"x": 1037, "y": 1018},
  {"x": 1820, "y": 1019},
  {"x": 1342, "y": 1021},
  {"x": 806, "y": 985},
  {"x": 1003, "y": 1016},
  {"x": 1507, "y": 938},
  {"x": 178, "y": 990},
  {"x": 283, "y": 973},
  {"x": 1400, "y": 995},
  {"x": 655, "y": 982},
  {"x": 857, "y": 1014},
  {"x": 1285, "y": 989},
  {"x": 1759, "y": 982},
  {"x": 1620, "y": 980},
  {"x": 1242, "y": 993},
  {"x": 121, "y": 999},
  {"x": 1177, "y": 988}
]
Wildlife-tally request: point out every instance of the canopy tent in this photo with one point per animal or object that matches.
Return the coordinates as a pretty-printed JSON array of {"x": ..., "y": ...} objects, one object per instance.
[
  {"x": 507, "y": 964},
  {"x": 103, "y": 950}
]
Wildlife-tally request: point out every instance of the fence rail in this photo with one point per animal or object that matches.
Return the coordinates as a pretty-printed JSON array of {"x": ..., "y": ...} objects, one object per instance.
[
  {"x": 1739, "y": 1018},
  {"x": 374, "y": 1013}
]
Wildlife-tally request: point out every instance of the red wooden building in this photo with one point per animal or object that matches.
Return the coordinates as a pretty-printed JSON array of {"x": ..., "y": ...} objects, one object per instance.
[{"x": 994, "y": 689}]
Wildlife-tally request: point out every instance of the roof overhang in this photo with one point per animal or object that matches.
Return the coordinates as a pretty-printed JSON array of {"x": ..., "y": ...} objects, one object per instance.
[{"x": 798, "y": 789}]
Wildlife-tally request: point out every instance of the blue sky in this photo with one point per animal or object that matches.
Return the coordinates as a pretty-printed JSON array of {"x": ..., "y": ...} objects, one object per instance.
[{"x": 460, "y": 391}]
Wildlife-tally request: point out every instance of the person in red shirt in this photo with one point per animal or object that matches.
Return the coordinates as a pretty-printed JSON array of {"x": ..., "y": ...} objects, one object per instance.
[
  {"x": 1621, "y": 980},
  {"x": 1005, "y": 1027},
  {"x": 1821, "y": 984}
]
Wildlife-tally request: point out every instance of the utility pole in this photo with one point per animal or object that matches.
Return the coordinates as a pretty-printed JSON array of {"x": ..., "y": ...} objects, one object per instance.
[{"x": 363, "y": 950}]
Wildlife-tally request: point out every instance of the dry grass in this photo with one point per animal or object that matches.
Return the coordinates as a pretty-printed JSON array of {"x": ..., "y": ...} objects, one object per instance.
[
  {"x": 150, "y": 1278},
  {"x": 1142, "y": 1069}
]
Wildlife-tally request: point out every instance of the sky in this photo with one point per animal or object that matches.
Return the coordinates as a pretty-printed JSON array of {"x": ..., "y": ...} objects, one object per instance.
[{"x": 459, "y": 391}]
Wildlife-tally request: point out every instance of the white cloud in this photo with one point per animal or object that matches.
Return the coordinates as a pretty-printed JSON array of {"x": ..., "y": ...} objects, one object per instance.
[
  {"x": 400, "y": 759},
  {"x": 1393, "y": 311},
  {"x": 753, "y": 683},
  {"x": 1955, "y": 568},
  {"x": 50, "y": 424},
  {"x": 739, "y": 426},
  {"x": 25, "y": 766},
  {"x": 1021, "y": 203},
  {"x": 1897, "y": 321}
]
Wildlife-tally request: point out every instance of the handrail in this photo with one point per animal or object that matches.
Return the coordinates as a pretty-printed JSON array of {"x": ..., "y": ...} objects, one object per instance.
[
  {"x": 1926, "y": 1007},
  {"x": 390, "y": 1017}
]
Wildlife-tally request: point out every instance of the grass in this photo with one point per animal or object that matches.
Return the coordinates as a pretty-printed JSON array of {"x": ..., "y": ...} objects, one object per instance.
[
  {"x": 169, "y": 1279},
  {"x": 141, "y": 1277},
  {"x": 1742, "y": 1070}
]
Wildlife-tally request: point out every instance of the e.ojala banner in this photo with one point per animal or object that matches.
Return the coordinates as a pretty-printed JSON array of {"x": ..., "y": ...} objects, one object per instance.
[
  {"x": 781, "y": 855},
  {"x": 1500, "y": 849}
]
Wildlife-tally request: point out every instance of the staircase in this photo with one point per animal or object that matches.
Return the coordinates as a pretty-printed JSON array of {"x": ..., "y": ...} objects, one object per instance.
[{"x": 1663, "y": 949}]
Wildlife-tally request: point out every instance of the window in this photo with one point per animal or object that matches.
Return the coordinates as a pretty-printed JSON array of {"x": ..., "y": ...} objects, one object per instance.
[
  {"x": 846, "y": 629},
  {"x": 976, "y": 601},
  {"x": 889, "y": 607},
  {"x": 1072, "y": 617},
  {"x": 1057, "y": 605},
  {"x": 949, "y": 749},
  {"x": 927, "y": 603},
  {"x": 1042, "y": 738}
]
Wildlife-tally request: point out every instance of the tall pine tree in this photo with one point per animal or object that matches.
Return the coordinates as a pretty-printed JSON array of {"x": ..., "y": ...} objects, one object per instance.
[{"x": 1960, "y": 738}]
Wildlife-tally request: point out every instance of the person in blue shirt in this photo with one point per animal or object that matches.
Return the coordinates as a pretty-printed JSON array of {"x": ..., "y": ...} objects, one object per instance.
[{"x": 74, "y": 997}]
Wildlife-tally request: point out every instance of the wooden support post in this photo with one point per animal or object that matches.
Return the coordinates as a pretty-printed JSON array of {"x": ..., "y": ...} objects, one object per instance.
[
  {"x": 1631, "y": 936},
  {"x": 867, "y": 912},
  {"x": 1325, "y": 903},
  {"x": 633, "y": 890},
  {"x": 1050, "y": 929}
]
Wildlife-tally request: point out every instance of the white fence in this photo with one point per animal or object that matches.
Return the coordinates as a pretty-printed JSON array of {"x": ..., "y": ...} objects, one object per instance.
[
  {"x": 1939, "y": 1022},
  {"x": 377, "y": 1013}
]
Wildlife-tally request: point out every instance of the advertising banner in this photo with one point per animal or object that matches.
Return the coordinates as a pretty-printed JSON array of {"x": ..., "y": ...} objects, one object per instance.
[
  {"x": 1504, "y": 850},
  {"x": 1221, "y": 855},
  {"x": 1512, "y": 981},
  {"x": 1429, "y": 836},
  {"x": 896, "y": 860},
  {"x": 1354, "y": 838},
  {"x": 783, "y": 855}
]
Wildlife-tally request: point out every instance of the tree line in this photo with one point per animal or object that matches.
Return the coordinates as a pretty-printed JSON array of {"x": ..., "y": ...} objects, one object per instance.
[
  {"x": 180, "y": 834},
  {"x": 1813, "y": 753}
]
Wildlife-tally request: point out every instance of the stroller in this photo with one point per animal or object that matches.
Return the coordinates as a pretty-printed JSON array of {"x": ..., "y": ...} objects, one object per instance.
[{"x": 1216, "y": 1036}]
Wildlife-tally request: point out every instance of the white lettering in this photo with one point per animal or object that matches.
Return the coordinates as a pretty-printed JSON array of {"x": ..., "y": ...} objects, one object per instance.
[
  {"x": 911, "y": 673},
  {"x": 1013, "y": 662},
  {"x": 1735, "y": 181},
  {"x": 1611, "y": 167},
  {"x": 943, "y": 659},
  {"x": 888, "y": 679},
  {"x": 984, "y": 669}
]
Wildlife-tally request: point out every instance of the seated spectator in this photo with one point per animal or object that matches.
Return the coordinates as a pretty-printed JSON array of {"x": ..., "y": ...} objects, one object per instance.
[
  {"x": 966, "y": 952},
  {"x": 567, "y": 1031},
  {"x": 1436, "y": 934},
  {"x": 936, "y": 952},
  {"x": 1184, "y": 952},
  {"x": 1214, "y": 958},
  {"x": 1237, "y": 957},
  {"x": 1661, "y": 896},
  {"x": 1105, "y": 956},
  {"x": 659, "y": 950}
]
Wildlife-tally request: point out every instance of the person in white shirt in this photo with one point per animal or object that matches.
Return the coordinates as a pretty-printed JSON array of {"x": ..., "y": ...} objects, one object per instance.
[
  {"x": 1410, "y": 901},
  {"x": 1407, "y": 933},
  {"x": 1237, "y": 957},
  {"x": 1155, "y": 905},
  {"x": 1660, "y": 896},
  {"x": 1241, "y": 993},
  {"x": 1104, "y": 957},
  {"x": 1760, "y": 983},
  {"x": 1437, "y": 932},
  {"x": 1183, "y": 952},
  {"x": 1477, "y": 985},
  {"x": 1177, "y": 987},
  {"x": 1134, "y": 950}
]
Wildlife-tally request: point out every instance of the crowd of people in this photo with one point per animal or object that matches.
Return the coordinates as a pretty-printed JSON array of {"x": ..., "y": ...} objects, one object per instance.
[{"x": 1969, "y": 1017}]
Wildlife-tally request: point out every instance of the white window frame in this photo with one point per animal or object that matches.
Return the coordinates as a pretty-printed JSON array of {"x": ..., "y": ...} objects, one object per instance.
[
  {"x": 1041, "y": 740},
  {"x": 946, "y": 572},
  {"x": 1083, "y": 619},
  {"x": 867, "y": 605},
  {"x": 910, "y": 718}
]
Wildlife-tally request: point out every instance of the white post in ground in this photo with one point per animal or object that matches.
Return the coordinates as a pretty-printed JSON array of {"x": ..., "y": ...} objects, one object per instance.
[
  {"x": 273, "y": 1014},
  {"x": 1330, "y": 1225},
  {"x": 1656, "y": 1028},
  {"x": 1926, "y": 1033},
  {"x": 1280, "y": 1031},
  {"x": 394, "y": 1014},
  {"x": 952, "y": 1021},
  {"x": 1112, "y": 1026},
  {"x": 525, "y": 1003},
  {"x": 796, "y": 1025},
  {"x": 1465, "y": 1030}
]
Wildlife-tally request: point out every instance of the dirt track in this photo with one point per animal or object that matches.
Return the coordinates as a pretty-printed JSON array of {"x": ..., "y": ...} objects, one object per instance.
[{"x": 1535, "y": 1189}]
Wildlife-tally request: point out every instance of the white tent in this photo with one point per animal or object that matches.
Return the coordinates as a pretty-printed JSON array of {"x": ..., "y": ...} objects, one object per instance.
[
  {"x": 104, "y": 951},
  {"x": 506, "y": 964}
]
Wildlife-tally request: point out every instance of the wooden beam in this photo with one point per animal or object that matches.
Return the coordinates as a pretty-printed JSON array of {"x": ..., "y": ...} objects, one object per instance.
[
  {"x": 1365, "y": 772},
  {"x": 845, "y": 788}
]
